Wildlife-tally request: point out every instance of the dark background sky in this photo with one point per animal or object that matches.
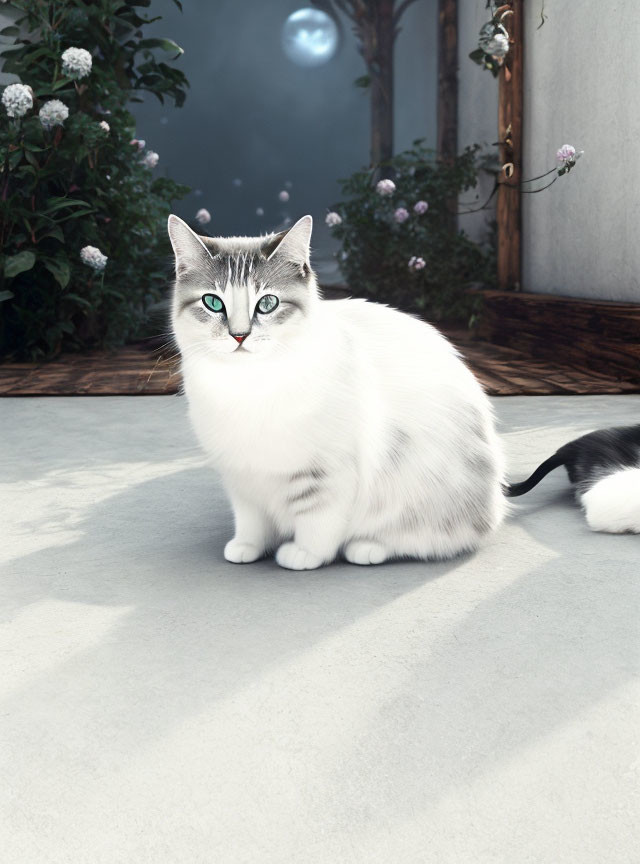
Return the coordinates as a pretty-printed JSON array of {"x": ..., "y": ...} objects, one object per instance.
[{"x": 253, "y": 115}]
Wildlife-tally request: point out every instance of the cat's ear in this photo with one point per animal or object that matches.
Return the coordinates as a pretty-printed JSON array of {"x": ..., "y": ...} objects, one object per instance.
[
  {"x": 292, "y": 245},
  {"x": 189, "y": 249}
]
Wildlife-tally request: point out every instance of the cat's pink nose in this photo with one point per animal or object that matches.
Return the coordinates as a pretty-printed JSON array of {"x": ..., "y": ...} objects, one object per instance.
[{"x": 240, "y": 338}]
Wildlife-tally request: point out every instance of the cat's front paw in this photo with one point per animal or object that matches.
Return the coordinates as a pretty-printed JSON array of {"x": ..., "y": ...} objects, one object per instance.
[
  {"x": 294, "y": 558},
  {"x": 365, "y": 552},
  {"x": 242, "y": 553}
]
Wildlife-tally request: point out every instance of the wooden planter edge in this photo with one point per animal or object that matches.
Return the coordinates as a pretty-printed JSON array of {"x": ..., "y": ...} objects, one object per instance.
[{"x": 602, "y": 335}]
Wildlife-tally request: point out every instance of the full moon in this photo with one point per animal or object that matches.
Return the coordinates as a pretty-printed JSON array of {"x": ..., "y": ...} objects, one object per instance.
[{"x": 309, "y": 37}]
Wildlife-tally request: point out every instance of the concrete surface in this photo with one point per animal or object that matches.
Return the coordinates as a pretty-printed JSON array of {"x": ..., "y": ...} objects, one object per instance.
[{"x": 160, "y": 705}]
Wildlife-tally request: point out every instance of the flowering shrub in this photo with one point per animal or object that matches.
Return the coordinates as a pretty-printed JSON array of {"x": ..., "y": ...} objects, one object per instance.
[
  {"x": 397, "y": 243},
  {"x": 82, "y": 217}
]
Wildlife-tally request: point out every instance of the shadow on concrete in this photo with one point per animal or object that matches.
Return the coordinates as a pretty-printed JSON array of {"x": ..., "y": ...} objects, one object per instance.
[{"x": 195, "y": 630}]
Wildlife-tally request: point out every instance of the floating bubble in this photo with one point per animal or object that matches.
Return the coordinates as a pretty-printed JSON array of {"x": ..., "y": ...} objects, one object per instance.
[
  {"x": 309, "y": 37},
  {"x": 237, "y": 182},
  {"x": 259, "y": 211},
  {"x": 284, "y": 195}
]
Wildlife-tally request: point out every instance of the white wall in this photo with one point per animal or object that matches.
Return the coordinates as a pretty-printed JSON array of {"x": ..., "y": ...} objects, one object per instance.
[
  {"x": 581, "y": 237},
  {"x": 416, "y": 76},
  {"x": 477, "y": 114},
  {"x": 7, "y": 16}
]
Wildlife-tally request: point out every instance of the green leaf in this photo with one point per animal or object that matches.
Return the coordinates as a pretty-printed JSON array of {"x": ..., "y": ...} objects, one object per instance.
[
  {"x": 15, "y": 264},
  {"x": 15, "y": 157},
  {"x": 60, "y": 270},
  {"x": 10, "y": 31},
  {"x": 363, "y": 81},
  {"x": 64, "y": 82},
  {"x": 55, "y": 232},
  {"x": 31, "y": 159},
  {"x": 78, "y": 213},
  {"x": 57, "y": 203},
  {"x": 6, "y": 295},
  {"x": 81, "y": 300},
  {"x": 167, "y": 45}
]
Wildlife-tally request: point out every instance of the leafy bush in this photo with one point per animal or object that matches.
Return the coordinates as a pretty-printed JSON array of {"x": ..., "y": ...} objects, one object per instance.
[
  {"x": 80, "y": 183},
  {"x": 410, "y": 259}
]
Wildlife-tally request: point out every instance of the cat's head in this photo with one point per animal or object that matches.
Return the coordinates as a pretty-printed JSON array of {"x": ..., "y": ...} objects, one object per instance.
[{"x": 241, "y": 294}]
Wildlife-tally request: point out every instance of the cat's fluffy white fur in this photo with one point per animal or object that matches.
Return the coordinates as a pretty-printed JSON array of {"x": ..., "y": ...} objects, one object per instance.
[
  {"x": 351, "y": 427},
  {"x": 613, "y": 503}
]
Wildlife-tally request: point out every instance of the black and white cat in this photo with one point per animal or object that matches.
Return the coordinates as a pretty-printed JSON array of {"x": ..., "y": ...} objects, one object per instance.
[
  {"x": 337, "y": 427},
  {"x": 604, "y": 467}
]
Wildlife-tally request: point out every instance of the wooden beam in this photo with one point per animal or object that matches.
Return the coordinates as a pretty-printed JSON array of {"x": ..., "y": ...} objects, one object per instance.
[{"x": 510, "y": 109}]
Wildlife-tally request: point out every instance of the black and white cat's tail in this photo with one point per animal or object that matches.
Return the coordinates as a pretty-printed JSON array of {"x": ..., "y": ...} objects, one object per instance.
[
  {"x": 604, "y": 466},
  {"x": 550, "y": 464}
]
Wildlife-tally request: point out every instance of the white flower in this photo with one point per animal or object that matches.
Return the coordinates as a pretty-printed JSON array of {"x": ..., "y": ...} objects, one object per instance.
[
  {"x": 53, "y": 113},
  {"x": 104, "y": 125},
  {"x": 566, "y": 153},
  {"x": 385, "y": 188},
  {"x": 203, "y": 216},
  {"x": 498, "y": 46},
  {"x": 139, "y": 143},
  {"x": 416, "y": 263},
  {"x": 401, "y": 215},
  {"x": 150, "y": 159},
  {"x": 494, "y": 40},
  {"x": 284, "y": 195},
  {"x": 420, "y": 207},
  {"x": 332, "y": 219},
  {"x": 94, "y": 258},
  {"x": 17, "y": 99},
  {"x": 76, "y": 63}
]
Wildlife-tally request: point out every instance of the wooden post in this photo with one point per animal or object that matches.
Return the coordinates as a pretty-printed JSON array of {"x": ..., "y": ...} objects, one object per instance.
[
  {"x": 447, "y": 79},
  {"x": 447, "y": 146},
  {"x": 380, "y": 35},
  {"x": 510, "y": 105}
]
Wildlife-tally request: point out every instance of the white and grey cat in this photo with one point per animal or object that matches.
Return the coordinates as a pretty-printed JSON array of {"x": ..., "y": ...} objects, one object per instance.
[{"x": 338, "y": 427}]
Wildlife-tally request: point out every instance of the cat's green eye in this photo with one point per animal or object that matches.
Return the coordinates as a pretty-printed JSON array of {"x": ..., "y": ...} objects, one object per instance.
[
  {"x": 267, "y": 303},
  {"x": 212, "y": 302}
]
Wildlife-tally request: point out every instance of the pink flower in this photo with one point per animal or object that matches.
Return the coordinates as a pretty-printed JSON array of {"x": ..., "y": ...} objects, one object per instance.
[
  {"x": 385, "y": 188},
  {"x": 416, "y": 263},
  {"x": 140, "y": 144},
  {"x": 566, "y": 153},
  {"x": 150, "y": 159},
  {"x": 332, "y": 219},
  {"x": 420, "y": 207},
  {"x": 401, "y": 215},
  {"x": 203, "y": 217}
]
